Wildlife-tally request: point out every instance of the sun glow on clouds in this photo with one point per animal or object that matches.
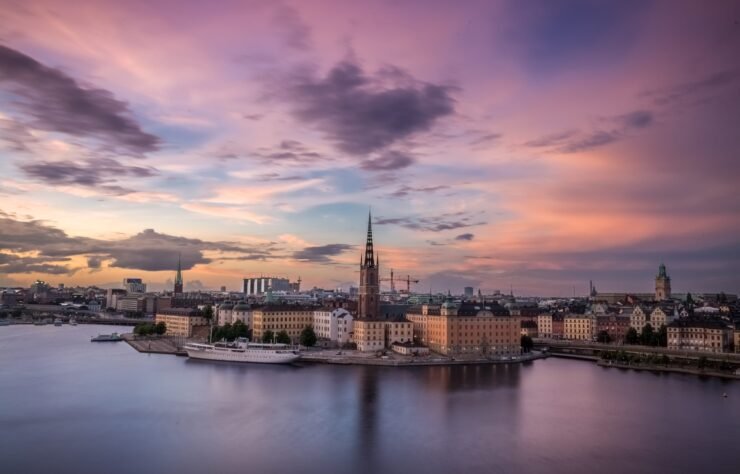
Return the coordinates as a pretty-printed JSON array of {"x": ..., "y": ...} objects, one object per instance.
[{"x": 559, "y": 148}]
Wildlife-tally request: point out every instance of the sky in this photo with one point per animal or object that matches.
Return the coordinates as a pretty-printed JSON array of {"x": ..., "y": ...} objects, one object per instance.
[{"x": 531, "y": 146}]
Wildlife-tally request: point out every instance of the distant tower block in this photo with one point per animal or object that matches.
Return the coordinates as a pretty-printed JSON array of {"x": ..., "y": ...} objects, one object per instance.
[{"x": 662, "y": 284}]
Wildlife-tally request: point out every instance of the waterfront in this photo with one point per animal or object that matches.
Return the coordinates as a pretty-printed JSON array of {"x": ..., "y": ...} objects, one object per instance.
[{"x": 67, "y": 405}]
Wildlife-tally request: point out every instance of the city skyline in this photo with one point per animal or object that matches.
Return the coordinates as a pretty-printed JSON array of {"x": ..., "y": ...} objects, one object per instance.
[{"x": 499, "y": 145}]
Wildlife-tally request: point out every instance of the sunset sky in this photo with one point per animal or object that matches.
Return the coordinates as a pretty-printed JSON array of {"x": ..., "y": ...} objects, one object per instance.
[{"x": 533, "y": 145}]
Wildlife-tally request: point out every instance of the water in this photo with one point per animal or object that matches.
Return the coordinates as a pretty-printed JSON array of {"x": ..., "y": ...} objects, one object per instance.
[{"x": 71, "y": 406}]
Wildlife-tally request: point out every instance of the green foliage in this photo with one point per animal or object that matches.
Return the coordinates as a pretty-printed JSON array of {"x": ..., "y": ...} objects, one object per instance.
[
  {"x": 145, "y": 329},
  {"x": 662, "y": 336},
  {"x": 308, "y": 337},
  {"x": 282, "y": 338},
  {"x": 646, "y": 337},
  {"x": 268, "y": 336},
  {"x": 527, "y": 343},
  {"x": 603, "y": 337},
  {"x": 702, "y": 362},
  {"x": 230, "y": 331},
  {"x": 208, "y": 312},
  {"x": 631, "y": 337},
  {"x": 665, "y": 360},
  {"x": 160, "y": 328}
]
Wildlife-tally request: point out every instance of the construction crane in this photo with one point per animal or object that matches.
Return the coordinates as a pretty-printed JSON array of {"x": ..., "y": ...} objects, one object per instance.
[
  {"x": 393, "y": 282},
  {"x": 409, "y": 280}
]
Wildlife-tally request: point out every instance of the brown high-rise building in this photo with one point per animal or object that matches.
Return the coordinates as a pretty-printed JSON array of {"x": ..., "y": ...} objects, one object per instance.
[{"x": 369, "y": 302}]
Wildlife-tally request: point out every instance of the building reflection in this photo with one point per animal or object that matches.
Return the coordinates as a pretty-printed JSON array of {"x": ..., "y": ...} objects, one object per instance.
[{"x": 368, "y": 418}]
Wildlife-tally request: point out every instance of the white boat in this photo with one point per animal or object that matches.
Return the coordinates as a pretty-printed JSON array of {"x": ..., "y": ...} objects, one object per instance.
[
  {"x": 73, "y": 322},
  {"x": 58, "y": 322},
  {"x": 242, "y": 350}
]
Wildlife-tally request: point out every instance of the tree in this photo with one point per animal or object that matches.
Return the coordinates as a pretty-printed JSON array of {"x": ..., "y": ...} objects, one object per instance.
[
  {"x": 603, "y": 337},
  {"x": 143, "y": 329},
  {"x": 268, "y": 336},
  {"x": 282, "y": 337},
  {"x": 160, "y": 328},
  {"x": 631, "y": 337},
  {"x": 308, "y": 337},
  {"x": 702, "y": 362},
  {"x": 527, "y": 343},
  {"x": 208, "y": 312},
  {"x": 646, "y": 337},
  {"x": 665, "y": 360},
  {"x": 662, "y": 336},
  {"x": 239, "y": 329}
]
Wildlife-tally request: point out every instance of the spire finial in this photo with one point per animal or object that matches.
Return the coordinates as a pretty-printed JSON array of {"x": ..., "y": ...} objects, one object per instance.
[{"x": 369, "y": 258}]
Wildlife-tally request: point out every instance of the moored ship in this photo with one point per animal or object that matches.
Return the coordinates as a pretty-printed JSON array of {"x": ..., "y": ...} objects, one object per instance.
[{"x": 242, "y": 350}]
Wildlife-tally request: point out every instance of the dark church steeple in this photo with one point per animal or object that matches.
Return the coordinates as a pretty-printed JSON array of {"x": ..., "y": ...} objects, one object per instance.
[
  {"x": 369, "y": 297},
  {"x": 178, "y": 276},
  {"x": 369, "y": 256}
]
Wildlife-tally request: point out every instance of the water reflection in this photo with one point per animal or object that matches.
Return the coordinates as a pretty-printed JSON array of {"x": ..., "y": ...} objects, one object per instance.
[{"x": 70, "y": 406}]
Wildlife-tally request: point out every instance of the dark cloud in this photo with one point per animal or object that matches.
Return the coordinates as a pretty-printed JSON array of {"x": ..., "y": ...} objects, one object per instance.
[
  {"x": 442, "y": 222},
  {"x": 467, "y": 236},
  {"x": 406, "y": 190},
  {"x": 636, "y": 119},
  {"x": 485, "y": 139},
  {"x": 388, "y": 161},
  {"x": 588, "y": 142},
  {"x": 289, "y": 152},
  {"x": 52, "y": 100},
  {"x": 551, "y": 140},
  {"x": 680, "y": 92},
  {"x": 293, "y": 29},
  {"x": 16, "y": 264},
  {"x": 322, "y": 253},
  {"x": 364, "y": 113},
  {"x": 278, "y": 177},
  {"x": 15, "y": 135},
  {"x": 148, "y": 250},
  {"x": 573, "y": 141},
  {"x": 97, "y": 173}
]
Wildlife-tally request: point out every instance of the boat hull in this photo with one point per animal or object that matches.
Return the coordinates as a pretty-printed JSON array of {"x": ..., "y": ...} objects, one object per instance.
[{"x": 247, "y": 356}]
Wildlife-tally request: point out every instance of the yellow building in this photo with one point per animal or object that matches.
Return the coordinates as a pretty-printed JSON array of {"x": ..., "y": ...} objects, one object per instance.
[
  {"x": 374, "y": 334},
  {"x": 703, "y": 335},
  {"x": 180, "y": 321},
  {"x": 579, "y": 327},
  {"x": 292, "y": 319},
  {"x": 471, "y": 328},
  {"x": 737, "y": 340},
  {"x": 544, "y": 325}
]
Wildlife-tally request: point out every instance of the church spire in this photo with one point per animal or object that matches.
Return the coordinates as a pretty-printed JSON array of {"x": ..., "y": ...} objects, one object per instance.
[
  {"x": 178, "y": 275},
  {"x": 369, "y": 258}
]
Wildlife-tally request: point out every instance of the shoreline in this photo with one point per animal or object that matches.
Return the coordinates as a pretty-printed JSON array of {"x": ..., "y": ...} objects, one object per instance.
[
  {"x": 165, "y": 346},
  {"x": 676, "y": 370}
]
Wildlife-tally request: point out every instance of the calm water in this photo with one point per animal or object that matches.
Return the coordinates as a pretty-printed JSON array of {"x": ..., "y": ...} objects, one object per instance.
[{"x": 70, "y": 406}]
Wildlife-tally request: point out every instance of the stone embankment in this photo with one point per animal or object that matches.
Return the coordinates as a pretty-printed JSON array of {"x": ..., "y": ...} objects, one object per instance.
[
  {"x": 663, "y": 368},
  {"x": 154, "y": 345}
]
